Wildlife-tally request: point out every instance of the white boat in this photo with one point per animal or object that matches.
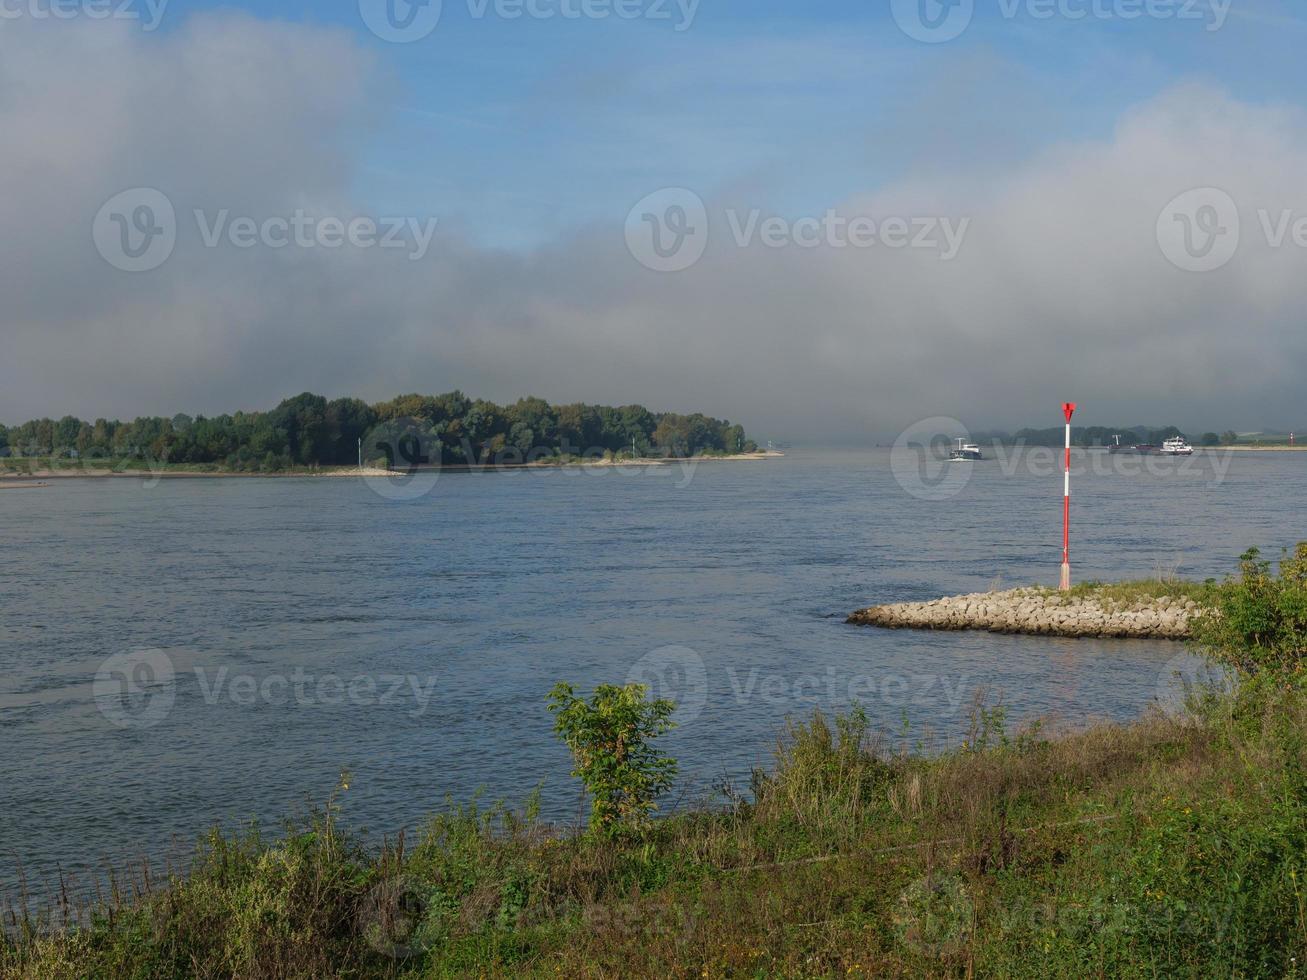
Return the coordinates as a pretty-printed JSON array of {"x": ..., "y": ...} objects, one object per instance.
[
  {"x": 965, "y": 453},
  {"x": 1176, "y": 446}
]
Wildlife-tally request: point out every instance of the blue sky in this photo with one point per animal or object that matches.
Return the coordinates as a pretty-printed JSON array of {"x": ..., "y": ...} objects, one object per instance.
[
  {"x": 1065, "y": 158},
  {"x": 522, "y": 130}
]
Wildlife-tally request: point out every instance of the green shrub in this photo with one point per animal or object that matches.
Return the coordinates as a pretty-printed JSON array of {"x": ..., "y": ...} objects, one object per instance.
[
  {"x": 1259, "y": 621},
  {"x": 610, "y": 737}
]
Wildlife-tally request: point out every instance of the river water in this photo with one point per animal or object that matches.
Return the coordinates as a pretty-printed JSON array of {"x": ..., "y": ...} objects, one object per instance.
[{"x": 215, "y": 651}]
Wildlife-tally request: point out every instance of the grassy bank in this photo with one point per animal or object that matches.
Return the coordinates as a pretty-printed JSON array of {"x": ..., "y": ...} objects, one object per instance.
[
  {"x": 1173, "y": 846},
  {"x": 1160, "y": 848}
]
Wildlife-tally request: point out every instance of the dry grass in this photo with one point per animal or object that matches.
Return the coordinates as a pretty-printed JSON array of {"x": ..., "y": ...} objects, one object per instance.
[{"x": 1164, "y": 847}]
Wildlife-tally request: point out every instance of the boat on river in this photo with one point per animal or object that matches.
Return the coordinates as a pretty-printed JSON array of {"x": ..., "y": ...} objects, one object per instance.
[
  {"x": 966, "y": 452},
  {"x": 1176, "y": 446}
]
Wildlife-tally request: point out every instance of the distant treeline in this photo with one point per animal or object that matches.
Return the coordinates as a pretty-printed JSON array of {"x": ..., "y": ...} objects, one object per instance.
[
  {"x": 1097, "y": 435},
  {"x": 309, "y": 430}
]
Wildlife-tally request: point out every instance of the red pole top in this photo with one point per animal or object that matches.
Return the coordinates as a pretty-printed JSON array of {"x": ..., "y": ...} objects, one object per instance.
[{"x": 1068, "y": 409}]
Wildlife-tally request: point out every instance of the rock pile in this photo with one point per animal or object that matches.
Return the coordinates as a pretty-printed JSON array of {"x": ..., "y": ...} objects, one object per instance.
[{"x": 1040, "y": 611}]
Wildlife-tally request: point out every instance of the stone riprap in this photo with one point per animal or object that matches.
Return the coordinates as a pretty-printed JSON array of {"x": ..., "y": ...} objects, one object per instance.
[{"x": 1042, "y": 612}]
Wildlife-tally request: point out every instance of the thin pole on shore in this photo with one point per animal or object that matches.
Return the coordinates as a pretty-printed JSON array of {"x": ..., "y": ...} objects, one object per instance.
[{"x": 1068, "y": 409}]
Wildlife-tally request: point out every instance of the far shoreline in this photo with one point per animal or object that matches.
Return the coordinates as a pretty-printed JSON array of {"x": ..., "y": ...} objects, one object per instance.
[{"x": 76, "y": 472}]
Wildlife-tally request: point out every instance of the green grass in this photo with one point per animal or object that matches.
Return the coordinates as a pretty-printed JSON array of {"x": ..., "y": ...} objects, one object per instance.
[
  {"x": 1162, "y": 848},
  {"x": 1140, "y": 590}
]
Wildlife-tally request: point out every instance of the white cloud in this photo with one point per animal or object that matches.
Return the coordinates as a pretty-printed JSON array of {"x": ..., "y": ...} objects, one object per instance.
[{"x": 1060, "y": 289}]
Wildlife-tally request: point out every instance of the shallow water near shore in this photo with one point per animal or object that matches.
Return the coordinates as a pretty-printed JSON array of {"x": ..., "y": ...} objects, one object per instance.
[{"x": 310, "y": 626}]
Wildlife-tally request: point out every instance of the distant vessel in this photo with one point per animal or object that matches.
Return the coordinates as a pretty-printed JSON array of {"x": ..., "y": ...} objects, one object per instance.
[
  {"x": 1176, "y": 446},
  {"x": 1140, "y": 449},
  {"x": 966, "y": 452}
]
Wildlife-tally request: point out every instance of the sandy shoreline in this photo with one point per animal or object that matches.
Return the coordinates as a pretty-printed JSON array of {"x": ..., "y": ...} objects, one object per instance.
[
  {"x": 87, "y": 473},
  {"x": 1257, "y": 449}
]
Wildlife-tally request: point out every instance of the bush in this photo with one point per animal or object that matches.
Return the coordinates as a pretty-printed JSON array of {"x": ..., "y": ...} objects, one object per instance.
[
  {"x": 1259, "y": 621},
  {"x": 610, "y": 736}
]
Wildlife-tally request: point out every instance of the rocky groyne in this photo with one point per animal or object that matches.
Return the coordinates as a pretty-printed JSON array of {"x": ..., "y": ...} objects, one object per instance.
[{"x": 1042, "y": 612}]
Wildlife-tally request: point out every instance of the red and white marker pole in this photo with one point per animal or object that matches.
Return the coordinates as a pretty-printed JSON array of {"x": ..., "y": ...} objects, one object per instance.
[{"x": 1068, "y": 409}]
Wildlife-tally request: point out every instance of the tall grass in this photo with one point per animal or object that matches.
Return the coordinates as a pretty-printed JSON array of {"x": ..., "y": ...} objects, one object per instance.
[
  {"x": 1165, "y": 847},
  {"x": 1173, "y": 846}
]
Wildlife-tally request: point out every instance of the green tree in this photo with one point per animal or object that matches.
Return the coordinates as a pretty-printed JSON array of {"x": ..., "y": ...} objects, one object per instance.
[
  {"x": 1211, "y": 439},
  {"x": 308, "y": 430},
  {"x": 348, "y": 421},
  {"x": 537, "y": 422},
  {"x": 610, "y": 737},
  {"x": 1229, "y": 438}
]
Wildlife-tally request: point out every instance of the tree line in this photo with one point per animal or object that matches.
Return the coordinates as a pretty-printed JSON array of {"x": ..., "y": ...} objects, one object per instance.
[
  {"x": 1098, "y": 435},
  {"x": 309, "y": 430}
]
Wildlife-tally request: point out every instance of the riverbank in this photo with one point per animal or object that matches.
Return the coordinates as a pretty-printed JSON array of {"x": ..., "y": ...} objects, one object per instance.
[
  {"x": 1175, "y": 845},
  {"x": 1169, "y": 847},
  {"x": 1283, "y": 448},
  {"x": 9, "y": 471},
  {"x": 1134, "y": 610}
]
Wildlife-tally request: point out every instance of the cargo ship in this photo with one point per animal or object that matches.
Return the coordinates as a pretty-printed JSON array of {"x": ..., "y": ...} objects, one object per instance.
[{"x": 1175, "y": 446}]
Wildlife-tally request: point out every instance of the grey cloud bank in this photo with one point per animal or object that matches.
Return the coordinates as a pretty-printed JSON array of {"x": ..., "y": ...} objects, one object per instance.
[{"x": 1059, "y": 291}]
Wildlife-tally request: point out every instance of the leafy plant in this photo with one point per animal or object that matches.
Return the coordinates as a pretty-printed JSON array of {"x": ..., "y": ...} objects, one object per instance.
[
  {"x": 1259, "y": 621},
  {"x": 610, "y": 736}
]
